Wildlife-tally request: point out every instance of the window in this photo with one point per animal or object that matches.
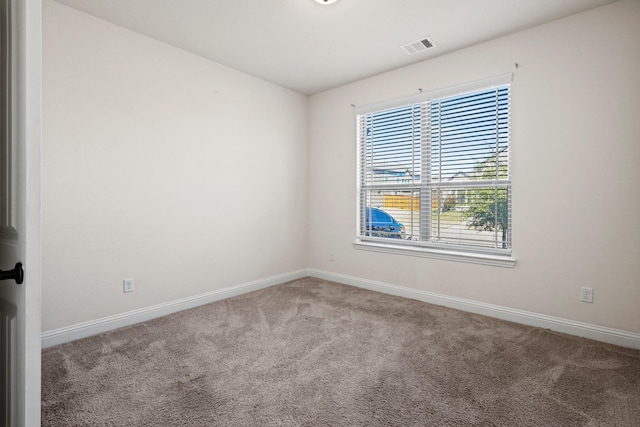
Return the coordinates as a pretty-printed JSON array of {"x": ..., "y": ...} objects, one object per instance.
[{"x": 437, "y": 168}]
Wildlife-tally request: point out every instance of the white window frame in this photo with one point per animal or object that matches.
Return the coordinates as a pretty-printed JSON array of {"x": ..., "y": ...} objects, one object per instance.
[{"x": 485, "y": 256}]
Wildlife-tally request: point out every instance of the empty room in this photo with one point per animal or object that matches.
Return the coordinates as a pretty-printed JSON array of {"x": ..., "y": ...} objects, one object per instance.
[{"x": 336, "y": 212}]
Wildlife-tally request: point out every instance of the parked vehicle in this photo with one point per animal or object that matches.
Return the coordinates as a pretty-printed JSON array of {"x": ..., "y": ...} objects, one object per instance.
[{"x": 381, "y": 224}]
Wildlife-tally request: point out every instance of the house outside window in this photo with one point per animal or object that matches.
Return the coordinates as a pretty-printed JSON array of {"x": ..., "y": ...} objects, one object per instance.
[{"x": 439, "y": 165}]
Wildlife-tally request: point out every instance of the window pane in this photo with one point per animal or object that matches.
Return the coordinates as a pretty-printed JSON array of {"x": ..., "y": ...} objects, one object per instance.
[
  {"x": 472, "y": 216},
  {"x": 391, "y": 152},
  {"x": 468, "y": 132},
  {"x": 461, "y": 200}
]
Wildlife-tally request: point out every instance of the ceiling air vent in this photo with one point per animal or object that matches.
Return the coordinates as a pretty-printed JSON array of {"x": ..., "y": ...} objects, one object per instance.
[{"x": 418, "y": 46}]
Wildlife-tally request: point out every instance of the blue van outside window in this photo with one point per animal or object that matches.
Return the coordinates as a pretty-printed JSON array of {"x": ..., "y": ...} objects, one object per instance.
[{"x": 380, "y": 224}]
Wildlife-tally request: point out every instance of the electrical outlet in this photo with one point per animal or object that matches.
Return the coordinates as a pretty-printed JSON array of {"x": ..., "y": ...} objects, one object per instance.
[
  {"x": 332, "y": 256},
  {"x": 127, "y": 285},
  {"x": 586, "y": 294}
]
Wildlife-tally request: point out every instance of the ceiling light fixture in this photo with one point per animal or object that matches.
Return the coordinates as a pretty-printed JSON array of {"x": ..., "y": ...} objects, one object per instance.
[{"x": 326, "y": 1}]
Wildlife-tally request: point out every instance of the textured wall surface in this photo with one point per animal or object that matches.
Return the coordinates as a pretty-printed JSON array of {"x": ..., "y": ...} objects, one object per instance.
[
  {"x": 162, "y": 166},
  {"x": 575, "y": 151}
]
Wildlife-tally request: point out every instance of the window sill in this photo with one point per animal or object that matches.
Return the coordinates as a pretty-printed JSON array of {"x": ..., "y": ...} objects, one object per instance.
[{"x": 473, "y": 258}]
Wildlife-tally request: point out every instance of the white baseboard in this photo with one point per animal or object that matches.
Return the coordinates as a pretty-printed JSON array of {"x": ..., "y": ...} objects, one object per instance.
[
  {"x": 594, "y": 332},
  {"x": 105, "y": 324}
]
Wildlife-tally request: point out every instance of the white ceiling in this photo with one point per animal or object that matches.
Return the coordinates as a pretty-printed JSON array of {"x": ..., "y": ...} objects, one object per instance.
[{"x": 308, "y": 47}]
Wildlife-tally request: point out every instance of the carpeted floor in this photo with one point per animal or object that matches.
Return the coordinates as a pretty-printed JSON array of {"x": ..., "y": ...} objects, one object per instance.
[{"x": 315, "y": 353}]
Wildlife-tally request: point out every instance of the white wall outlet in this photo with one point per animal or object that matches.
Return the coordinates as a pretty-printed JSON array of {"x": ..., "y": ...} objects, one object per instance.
[
  {"x": 127, "y": 285},
  {"x": 586, "y": 294},
  {"x": 332, "y": 256}
]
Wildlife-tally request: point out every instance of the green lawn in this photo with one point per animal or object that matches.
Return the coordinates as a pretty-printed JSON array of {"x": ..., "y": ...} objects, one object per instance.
[{"x": 449, "y": 217}]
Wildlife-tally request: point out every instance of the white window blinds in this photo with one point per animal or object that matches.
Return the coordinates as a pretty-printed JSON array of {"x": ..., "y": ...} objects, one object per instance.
[{"x": 436, "y": 172}]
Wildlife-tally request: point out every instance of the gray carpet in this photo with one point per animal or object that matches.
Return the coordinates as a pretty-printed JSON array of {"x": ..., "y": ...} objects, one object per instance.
[{"x": 314, "y": 353}]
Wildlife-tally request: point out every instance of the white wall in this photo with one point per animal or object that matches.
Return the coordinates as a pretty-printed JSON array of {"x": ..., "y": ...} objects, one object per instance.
[
  {"x": 162, "y": 166},
  {"x": 575, "y": 156},
  {"x": 141, "y": 176}
]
